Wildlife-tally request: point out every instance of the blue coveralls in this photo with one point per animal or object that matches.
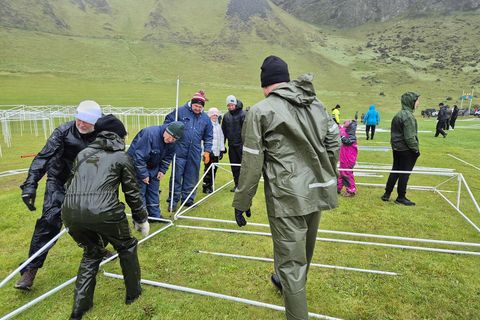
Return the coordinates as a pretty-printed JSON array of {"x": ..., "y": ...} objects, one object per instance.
[
  {"x": 151, "y": 155},
  {"x": 198, "y": 127}
]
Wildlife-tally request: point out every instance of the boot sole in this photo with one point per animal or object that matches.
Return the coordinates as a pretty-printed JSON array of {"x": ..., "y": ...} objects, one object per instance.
[{"x": 23, "y": 288}]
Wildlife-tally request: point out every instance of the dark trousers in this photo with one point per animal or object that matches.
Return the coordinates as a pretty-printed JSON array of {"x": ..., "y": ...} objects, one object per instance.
[
  {"x": 402, "y": 161},
  {"x": 209, "y": 177},
  {"x": 48, "y": 225},
  {"x": 452, "y": 122},
  {"x": 93, "y": 238},
  {"x": 439, "y": 128},
  {"x": 367, "y": 130},
  {"x": 235, "y": 156}
]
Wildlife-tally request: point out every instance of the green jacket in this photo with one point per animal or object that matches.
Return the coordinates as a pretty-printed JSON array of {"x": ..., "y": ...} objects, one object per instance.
[
  {"x": 294, "y": 142},
  {"x": 92, "y": 191},
  {"x": 404, "y": 128}
]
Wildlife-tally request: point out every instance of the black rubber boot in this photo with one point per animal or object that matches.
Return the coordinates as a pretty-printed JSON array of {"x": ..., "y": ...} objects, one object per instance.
[
  {"x": 131, "y": 272},
  {"x": 86, "y": 281},
  {"x": 385, "y": 197},
  {"x": 404, "y": 201},
  {"x": 276, "y": 282}
]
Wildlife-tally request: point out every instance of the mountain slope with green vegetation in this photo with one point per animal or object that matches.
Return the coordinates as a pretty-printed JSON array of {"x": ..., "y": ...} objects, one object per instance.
[{"x": 130, "y": 53}]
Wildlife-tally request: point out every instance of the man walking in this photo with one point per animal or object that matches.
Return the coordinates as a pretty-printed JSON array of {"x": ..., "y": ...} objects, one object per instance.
[
  {"x": 371, "y": 120},
  {"x": 232, "y": 130},
  {"x": 405, "y": 148},
  {"x": 55, "y": 160},
  {"x": 294, "y": 142}
]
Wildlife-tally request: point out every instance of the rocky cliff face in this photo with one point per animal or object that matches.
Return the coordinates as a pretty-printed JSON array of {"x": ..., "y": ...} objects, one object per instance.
[{"x": 351, "y": 13}]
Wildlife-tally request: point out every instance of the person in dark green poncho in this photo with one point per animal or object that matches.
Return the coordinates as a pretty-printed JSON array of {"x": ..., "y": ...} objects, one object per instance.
[{"x": 294, "y": 142}]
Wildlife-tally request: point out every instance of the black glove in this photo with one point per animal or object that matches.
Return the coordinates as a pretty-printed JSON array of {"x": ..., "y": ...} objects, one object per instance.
[
  {"x": 29, "y": 199},
  {"x": 417, "y": 154},
  {"x": 220, "y": 156},
  {"x": 239, "y": 217}
]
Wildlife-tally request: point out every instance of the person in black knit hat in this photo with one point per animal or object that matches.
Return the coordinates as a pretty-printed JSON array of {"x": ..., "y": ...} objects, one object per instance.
[
  {"x": 290, "y": 139},
  {"x": 94, "y": 214}
]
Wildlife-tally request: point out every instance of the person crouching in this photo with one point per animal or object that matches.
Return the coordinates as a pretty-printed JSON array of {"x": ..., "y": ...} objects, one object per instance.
[{"x": 94, "y": 215}]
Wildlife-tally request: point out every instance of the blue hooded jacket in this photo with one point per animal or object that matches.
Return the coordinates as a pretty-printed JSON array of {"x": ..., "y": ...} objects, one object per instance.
[{"x": 372, "y": 117}]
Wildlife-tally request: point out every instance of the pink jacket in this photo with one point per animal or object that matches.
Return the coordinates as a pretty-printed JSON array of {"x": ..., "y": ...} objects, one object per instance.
[{"x": 348, "y": 149}]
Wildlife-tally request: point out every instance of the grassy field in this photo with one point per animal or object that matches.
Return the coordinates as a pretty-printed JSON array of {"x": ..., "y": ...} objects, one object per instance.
[
  {"x": 429, "y": 285},
  {"x": 133, "y": 55}
]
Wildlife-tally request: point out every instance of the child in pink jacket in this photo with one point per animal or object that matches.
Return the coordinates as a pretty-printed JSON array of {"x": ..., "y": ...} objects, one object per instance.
[{"x": 348, "y": 158}]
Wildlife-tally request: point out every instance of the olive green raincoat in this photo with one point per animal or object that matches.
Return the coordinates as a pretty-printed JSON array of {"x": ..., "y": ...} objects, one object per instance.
[
  {"x": 293, "y": 141},
  {"x": 404, "y": 127}
]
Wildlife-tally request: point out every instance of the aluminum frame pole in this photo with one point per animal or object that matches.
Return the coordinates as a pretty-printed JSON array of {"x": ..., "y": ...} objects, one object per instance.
[
  {"x": 378, "y": 244},
  {"x": 33, "y": 256},
  {"x": 318, "y": 265},
  {"x": 218, "y": 295}
]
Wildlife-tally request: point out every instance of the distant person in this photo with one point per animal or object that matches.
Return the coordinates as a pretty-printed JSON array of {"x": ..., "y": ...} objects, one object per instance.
[
  {"x": 218, "y": 149},
  {"x": 442, "y": 117},
  {"x": 453, "y": 117},
  {"x": 348, "y": 158},
  {"x": 405, "y": 148},
  {"x": 371, "y": 120},
  {"x": 93, "y": 213},
  {"x": 232, "y": 130},
  {"x": 198, "y": 129},
  {"x": 55, "y": 160},
  {"x": 336, "y": 114},
  {"x": 152, "y": 150},
  {"x": 293, "y": 141}
]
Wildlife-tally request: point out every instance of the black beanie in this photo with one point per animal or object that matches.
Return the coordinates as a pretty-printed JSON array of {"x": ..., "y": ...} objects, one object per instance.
[
  {"x": 112, "y": 124},
  {"x": 274, "y": 70}
]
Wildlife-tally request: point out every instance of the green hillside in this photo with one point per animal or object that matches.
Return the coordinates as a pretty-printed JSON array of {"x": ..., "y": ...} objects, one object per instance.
[{"x": 130, "y": 53}]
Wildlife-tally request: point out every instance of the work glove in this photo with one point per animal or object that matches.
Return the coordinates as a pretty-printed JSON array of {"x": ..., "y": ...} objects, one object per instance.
[
  {"x": 143, "y": 227},
  {"x": 239, "y": 217},
  {"x": 206, "y": 157},
  {"x": 29, "y": 199}
]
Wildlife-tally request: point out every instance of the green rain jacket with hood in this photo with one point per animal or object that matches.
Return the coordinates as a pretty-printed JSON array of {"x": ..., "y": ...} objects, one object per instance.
[
  {"x": 290, "y": 137},
  {"x": 404, "y": 129},
  {"x": 92, "y": 195}
]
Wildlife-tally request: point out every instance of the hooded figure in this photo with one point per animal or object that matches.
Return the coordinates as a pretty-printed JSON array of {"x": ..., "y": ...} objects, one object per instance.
[
  {"x": 405, "y": 148},
  {"x": 290, "y": 139},
  {"x": 371, "y": 120},
  {"x": 95, "y": 215},
  {"x": 348, "y": 158},
  {"x": 197, "y": 129}
]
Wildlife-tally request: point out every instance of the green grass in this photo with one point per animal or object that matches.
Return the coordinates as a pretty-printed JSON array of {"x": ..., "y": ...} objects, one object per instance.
[
  {"x": 429, "y": 286},
  {"x": 115, "y": 59}
]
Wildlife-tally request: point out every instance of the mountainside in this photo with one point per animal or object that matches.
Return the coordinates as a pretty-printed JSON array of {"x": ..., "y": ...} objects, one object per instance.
[
  {"x": 131, "y": 52},
  {"x": 351, "y": 13}
]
